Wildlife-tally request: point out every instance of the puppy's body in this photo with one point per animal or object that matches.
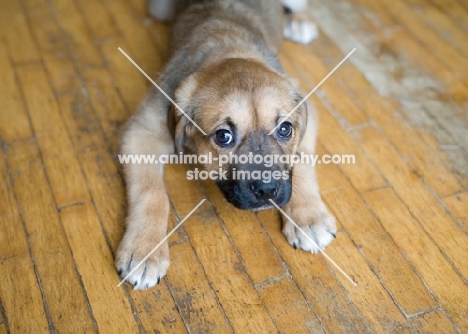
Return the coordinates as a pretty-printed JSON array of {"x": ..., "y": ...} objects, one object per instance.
[
  {"x": 215, "y": 29},
  {"x": 225, "y": 75}
]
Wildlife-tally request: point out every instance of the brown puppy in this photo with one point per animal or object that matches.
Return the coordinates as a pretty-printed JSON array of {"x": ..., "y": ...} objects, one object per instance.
[{"x": 225, "y": 75}]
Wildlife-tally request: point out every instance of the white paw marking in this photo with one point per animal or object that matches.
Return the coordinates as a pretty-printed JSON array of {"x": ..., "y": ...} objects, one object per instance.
[
  {"x": 149, "y": 273},
  {"x": 300, "y": 31},
  {"x": 321, "y": 233}
]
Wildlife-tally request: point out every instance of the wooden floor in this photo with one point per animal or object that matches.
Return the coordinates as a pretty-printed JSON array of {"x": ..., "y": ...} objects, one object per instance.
[{"x": 399, "y": 104}]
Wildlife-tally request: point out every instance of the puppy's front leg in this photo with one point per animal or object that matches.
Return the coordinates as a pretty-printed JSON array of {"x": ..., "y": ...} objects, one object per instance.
[
  {"x": 146, "y": 223},
  {"x": 305, "y": 207}
]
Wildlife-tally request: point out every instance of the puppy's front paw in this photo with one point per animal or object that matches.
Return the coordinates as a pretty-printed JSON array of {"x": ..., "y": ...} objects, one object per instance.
[
  {"x": 320, "y": 227},
  {"x": 298, "y": 28},
  {"x": 132, "y": 250}
]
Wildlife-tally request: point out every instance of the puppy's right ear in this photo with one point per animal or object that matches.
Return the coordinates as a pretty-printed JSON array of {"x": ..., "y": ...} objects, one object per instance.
[{"x": 184, "y": 98}]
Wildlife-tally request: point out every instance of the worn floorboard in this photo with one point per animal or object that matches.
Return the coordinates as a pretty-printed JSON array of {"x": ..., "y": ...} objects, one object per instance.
[{"x": 399, "y": 104}]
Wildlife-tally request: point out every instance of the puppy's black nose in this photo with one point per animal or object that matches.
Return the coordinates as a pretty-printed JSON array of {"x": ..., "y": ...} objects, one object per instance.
[{"x": 264, "y": 191}]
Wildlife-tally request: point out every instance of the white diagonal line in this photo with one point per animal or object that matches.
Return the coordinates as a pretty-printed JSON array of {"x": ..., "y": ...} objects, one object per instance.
[
  {"x": 162, "y": 241},
  {"x": 312, "y": 91},
  {"x": 160, "y": 89},
  {"x": 311, "y": 240}
]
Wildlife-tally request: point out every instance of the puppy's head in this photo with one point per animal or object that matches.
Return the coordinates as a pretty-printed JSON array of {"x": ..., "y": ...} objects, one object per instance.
[{"x": 238, "y": 102}]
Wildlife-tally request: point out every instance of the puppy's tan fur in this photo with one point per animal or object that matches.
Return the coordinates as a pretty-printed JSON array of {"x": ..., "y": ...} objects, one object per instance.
[{"x": 223, "y": 66}]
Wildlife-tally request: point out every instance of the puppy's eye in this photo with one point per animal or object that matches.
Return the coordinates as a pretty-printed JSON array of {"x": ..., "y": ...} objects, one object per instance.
[
  {"x": 224, "y": 137},
  {"x": 285, "y": 130}
]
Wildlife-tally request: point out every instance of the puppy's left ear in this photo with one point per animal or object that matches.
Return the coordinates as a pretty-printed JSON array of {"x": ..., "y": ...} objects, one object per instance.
[
  {"x": 183, "y": 97},
  {"x": 303, "y": 113}
]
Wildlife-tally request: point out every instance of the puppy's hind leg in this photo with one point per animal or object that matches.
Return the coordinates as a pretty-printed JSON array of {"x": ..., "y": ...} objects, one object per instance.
[
  {"x": 162, "y": 10},
  {"x": 297, "y": 25},
  {"x": 146, "y": 223}
]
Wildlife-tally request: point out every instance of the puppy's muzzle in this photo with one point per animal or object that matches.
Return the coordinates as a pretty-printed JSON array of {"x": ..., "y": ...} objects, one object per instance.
[{"x": 254, "y": 194}]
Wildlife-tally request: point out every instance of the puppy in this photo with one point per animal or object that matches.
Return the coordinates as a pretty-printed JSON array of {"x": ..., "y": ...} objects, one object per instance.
[{"x": 225, "y": 75}]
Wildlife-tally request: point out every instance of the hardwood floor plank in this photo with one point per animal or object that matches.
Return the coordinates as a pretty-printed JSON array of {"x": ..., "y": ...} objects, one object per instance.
[
  {"x": 257, "y": 253},
  {"x": 130, "y": 84},
  {"x": 140, "y": 7},
  {"x": 95, "y": 263},
  {"x": 458, "y": 207},
  {"x": 159, "y": 31},
  {"x": 363, "y": 175},
  {"x": 441, "y": 24},
  {"x": 161, "y": 34},
  {"x": 372, "y": 300},
  {"x": 420, "y": 157},
  {"x": 288, "y": 308},
  {"x": 455, "y": 10},
  {"x": 108, "y": 194},
  {"x": 241, "y": 303},
  {"x": 56, "y": 148},
  {"x": 98, "y": 20},
  {"x": 21, "y": 296},
  {"x": 398, "y": 104},
  {"x": 106, "y": 104},
  {"x": 263, "y": 264},
  {"x": 377, "y": 247},
  {"x": 98, "y": 167},
  {"x": 397, "y": 127},
  {"x": 330, "y": 92},
  {"x": 70, "y": 184},
  {"x": 157, "y": 311},
  {"x": 94, "y": 122},
  {"x": 419, "y": 248},
  {"x": 20, "y": 293},
  {"x": 13, "y": 125},
  {"x": 433, "y": 322},
  {"x": 431, "y": 215},
  {"x": 224, "y": 270},
  {"x": 13, "y": 233},
  {"x": 415, "y": 102},
  {"x": 15, "y": 34},
  {"x": 196, "y": 300},
  {"x": 357, "y": 233},
  {"x": 187, "y": 194},
  {"x": 145, "y": 53},
  {"x": 78, "y": 40},
  {"x": 434, "y": 43},
  {"x": 52, "y": 45},
  {"x": 91, "y": 142},
  {"x": 62, "y": 289},
  {"x": 326, "y": 295}
]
